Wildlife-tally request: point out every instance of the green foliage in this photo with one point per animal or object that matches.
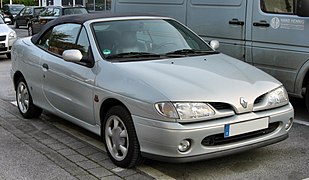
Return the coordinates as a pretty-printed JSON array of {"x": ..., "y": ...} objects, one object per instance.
[{"x": 25, "y": 2}]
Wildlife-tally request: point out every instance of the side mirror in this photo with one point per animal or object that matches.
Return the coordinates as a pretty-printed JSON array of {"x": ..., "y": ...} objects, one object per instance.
[
  {"x": 302, "y": 8},
  {"x": 72, "y": 55},
  {"x": 7, "y": 20},
  {"x": 214, "y": 44}
]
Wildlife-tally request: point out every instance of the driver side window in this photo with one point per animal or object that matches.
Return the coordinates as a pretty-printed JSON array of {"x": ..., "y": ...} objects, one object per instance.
[{"x": 64, "y": 37}]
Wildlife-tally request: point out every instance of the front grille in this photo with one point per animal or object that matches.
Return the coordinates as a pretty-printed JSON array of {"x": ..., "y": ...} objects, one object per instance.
[
  {"x": 2, "y": 38},
  {"x": 220, "y": 106},
  {"x": 219, "y": 139},
  {"x": 3, "y": 49}
]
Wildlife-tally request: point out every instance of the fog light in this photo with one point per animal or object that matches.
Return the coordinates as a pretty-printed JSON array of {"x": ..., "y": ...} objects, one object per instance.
[
  {"x": 184, "y": 145},
  {"x": 289, "y": 124}
]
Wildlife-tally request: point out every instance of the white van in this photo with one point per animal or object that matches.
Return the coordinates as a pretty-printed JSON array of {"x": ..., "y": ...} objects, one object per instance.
[{"x": 269, "y": 34}]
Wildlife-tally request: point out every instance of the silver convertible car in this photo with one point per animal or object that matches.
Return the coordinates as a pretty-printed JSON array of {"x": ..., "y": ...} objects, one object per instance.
[{"x": 150, "y": 87}]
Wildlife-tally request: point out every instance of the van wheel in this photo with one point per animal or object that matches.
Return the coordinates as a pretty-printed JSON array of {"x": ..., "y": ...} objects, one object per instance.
[
  {"x": 16, "y": 25},
  {"x": 307, "y": 96},
  {"x": 120, "y": 138},
  {"x": 24, "y": 101}
]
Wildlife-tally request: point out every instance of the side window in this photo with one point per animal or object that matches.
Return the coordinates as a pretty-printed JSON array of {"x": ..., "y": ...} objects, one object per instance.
[
  {"x": 22, "y": 11},
  {"x": 56, "y": 12},
  {"x": 60, "y": 38},
  {"x": 278, "y": 6},
  {"x": 83, "y": 44},
  {"x": 48, "y": 12},
  {"x": 64, "y": 37},
  {"x": 27, "y": 11},
  {"x": 44, "y": 41},
  {"x": 37, "y": 11}
]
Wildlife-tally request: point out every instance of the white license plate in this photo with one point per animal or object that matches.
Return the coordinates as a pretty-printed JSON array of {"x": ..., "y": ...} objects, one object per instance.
[{"x": 245, "y": 127}]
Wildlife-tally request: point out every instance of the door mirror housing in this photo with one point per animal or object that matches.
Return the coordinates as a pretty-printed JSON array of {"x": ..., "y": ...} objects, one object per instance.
[
  {"x": 72, "y": 55},
  {"x": 7, "y": 20},
  {"x": 302, "y": 8},
  {"x": 214, "y": 44}
]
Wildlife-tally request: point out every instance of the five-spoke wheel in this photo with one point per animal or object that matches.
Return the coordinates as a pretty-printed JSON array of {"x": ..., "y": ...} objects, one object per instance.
[{"x": 120, "y": 137}]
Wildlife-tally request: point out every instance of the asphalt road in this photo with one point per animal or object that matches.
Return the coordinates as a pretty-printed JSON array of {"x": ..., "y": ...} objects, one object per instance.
[{"x": 285, "y": 160}]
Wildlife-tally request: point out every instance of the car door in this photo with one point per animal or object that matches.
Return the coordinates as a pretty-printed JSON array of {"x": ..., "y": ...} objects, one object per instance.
[
  {"x": 25, "y": 16},
  {"x": 19, "y": 16},
  {"x": 68, "y": 86},
  {"x": 278, "y": 39}
]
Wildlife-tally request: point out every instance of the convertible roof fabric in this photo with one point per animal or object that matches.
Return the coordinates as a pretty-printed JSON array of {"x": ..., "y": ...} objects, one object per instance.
[{"x": 80, "y": 19}]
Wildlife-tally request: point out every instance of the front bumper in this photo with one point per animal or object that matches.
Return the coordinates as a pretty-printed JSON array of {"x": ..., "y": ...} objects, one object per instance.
[
  {"x": 6, "y": 45},
  {"x": 159, "y": 140}
]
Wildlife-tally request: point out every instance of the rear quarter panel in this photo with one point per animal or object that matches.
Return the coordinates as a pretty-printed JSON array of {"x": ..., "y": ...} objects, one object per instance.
[{"x": 26, "y": 60}]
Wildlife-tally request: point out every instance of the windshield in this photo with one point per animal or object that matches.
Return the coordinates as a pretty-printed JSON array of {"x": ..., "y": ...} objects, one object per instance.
[
  {"x": 153, "y": 38},
  {"x": 37, "y": 11},
  {"x": 15, "y": 9}
]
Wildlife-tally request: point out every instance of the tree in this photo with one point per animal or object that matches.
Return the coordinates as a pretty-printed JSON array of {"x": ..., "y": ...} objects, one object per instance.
[{"x": 25, "y": 2}]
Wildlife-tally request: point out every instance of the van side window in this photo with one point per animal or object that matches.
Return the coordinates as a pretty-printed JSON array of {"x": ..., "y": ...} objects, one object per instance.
[{"x": 278, "y": 6}]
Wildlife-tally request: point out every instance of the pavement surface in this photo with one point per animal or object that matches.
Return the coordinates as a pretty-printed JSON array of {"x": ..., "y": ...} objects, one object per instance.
[{"x": 35, "y": 149}]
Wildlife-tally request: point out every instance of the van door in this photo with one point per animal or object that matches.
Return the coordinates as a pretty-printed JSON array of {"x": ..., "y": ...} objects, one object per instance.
[
  {"x": 169, "y": 8},
  {"x": 279, "y": 44},
  {"x": 223, "y": 20}
]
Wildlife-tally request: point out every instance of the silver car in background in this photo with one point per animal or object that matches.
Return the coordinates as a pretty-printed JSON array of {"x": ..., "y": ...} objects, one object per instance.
[
  {"x": 150, "y": 87},
  {"x": 7, "y": 38}
]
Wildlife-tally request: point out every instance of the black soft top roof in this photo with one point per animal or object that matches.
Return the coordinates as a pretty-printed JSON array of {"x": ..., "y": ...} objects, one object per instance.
[{"x": 80, "y": 19}]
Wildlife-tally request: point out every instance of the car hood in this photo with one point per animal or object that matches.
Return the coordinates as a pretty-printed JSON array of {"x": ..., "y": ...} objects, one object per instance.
[
  {"x": 212, "y": 78},
  {"x": 5, "y": 29}
]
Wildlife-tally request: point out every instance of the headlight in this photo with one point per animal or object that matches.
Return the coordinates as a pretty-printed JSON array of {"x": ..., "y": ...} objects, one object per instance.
[
  {"x": 12, "y": 35},
  {"x": 184, "y": 110},
  {"x": 277, "y": 97}
]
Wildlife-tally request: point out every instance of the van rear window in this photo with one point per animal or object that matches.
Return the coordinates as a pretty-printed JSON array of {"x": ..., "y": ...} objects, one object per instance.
[{"x": 278, "y": 6}]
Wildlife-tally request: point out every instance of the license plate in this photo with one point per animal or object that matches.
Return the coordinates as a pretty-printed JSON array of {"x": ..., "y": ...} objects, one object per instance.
[
  {"x": 2, "y": 45},
  {"x": 245, "y": 127}
]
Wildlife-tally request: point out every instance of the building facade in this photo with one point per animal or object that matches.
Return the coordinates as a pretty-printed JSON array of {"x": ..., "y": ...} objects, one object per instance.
[{"x": 91, "y": 5}]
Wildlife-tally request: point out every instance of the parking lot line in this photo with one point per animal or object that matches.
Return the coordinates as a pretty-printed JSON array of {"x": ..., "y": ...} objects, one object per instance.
[
  {"x": 158, "y": 175},
  {"x": 302, "y": 123},
  {"x": 14, "y": 103}
]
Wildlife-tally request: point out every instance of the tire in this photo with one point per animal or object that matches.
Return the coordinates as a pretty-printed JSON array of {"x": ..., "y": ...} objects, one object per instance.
[
  {"x": 16, "y": 25},
  {"x": 120, "y": 138},
  {"x": 8, "y": 55},
  {"x": 24, "y": 101},
  {"x": 307, "y": 96},
  {"x": 30, "y": 30}
]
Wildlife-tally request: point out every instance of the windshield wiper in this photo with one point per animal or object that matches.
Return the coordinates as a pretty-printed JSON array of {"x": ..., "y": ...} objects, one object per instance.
[
  {"x": 184, "y": 52},
  {"x": 133, "y": 55}
]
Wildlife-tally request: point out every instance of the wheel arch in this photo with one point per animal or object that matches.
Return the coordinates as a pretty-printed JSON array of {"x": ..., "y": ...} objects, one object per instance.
[
  {"x": 107, "y": 104},
  {"x": 301, "y": 80},
  {"x": 16, "y": 77}
]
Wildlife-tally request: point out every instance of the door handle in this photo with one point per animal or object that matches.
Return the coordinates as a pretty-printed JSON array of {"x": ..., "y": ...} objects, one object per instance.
[
  {"x": 236, "y": 22},
  {"x": 261, "y": 24},
  {"x": 45, "y": 66}
]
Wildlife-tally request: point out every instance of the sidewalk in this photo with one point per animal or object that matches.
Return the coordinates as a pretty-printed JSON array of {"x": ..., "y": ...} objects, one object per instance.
[{"x": 35, "y": 149}]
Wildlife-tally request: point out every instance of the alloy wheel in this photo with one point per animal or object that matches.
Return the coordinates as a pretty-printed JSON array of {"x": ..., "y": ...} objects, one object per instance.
[{"x": 117, "y": 139}]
